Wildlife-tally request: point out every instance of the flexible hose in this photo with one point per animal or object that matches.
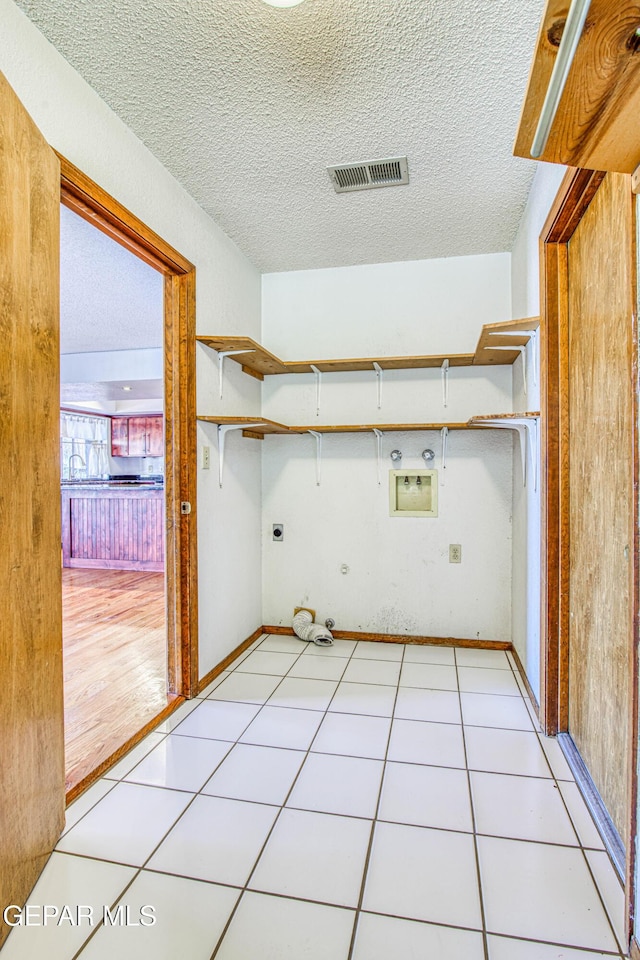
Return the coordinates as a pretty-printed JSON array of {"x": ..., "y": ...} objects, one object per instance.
[{"x": 306, "y": 629}]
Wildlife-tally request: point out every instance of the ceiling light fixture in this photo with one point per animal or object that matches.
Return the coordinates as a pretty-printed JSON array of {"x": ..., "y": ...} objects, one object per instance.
[
  {"x": 283, "y": 3},
  {"x": 127, "y": 388}
]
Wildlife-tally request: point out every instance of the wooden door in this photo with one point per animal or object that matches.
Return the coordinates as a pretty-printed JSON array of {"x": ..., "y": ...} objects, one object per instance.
[
  {"x": 601, "y": 483},
  {"x": 137, "y": 436},
  {"x": 31, "y": 704},
  {"x": 155, "y": 436}
]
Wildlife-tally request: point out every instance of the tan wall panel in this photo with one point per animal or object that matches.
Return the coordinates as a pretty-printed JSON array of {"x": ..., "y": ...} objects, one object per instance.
[
  {"x": 601, "y": 465},
  {"x": 31, "y": 706}
]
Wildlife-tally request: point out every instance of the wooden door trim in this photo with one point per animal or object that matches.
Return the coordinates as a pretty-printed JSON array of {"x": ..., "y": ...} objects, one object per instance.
[
  {"x": 576, "y": 191},
  {"x": 90, "y": 201}
]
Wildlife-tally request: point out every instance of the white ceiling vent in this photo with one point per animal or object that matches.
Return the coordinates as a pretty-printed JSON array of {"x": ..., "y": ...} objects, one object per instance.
[{"x": 348, "y": 177}]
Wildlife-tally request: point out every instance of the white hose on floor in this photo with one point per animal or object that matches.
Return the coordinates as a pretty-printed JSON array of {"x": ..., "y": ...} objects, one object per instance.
[{"x": 306, "y": 629}]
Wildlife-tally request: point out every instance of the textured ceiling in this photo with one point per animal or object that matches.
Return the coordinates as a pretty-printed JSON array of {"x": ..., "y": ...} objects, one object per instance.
[
  {"x": 109, "y": 299},
  {"x": 246, "y": 105}
]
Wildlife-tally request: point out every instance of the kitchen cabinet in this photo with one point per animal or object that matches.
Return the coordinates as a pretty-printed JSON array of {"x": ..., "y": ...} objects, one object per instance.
[
  {"x": 114, "y": 528},
  {"x": 137, "y": 436}
]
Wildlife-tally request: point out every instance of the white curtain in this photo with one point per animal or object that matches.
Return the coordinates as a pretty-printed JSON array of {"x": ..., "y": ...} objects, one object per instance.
[{"x": 87, "y": 437}]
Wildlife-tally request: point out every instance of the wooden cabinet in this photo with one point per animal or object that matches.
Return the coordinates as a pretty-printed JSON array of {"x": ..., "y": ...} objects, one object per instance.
[
  {"x": 119, "y": 437},
  {"x": 113, "y": 528},
  {"x": 137, "y": 436}
]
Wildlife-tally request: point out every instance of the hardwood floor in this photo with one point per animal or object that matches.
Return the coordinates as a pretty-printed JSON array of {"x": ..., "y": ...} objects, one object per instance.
[{"x": 115, "y": 662}]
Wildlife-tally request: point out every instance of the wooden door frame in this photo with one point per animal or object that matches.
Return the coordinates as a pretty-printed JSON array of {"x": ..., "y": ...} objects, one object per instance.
[
  {"x": 576, "y": 192},
  {"x": 84, "y": 197}
]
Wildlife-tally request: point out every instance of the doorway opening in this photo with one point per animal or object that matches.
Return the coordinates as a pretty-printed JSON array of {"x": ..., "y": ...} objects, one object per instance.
[{"x": 127, "y": 469}]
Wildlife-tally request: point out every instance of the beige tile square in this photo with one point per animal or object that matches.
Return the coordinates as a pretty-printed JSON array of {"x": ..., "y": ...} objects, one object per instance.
[
  {"x": 303, "y": 694},
  {"x": 216, "y": 839},
  {"x": 371, "y": 699},
  {"x": 206, "y": 905},
  {"x": 314, "y": 856},
  {"x": 428, "y": 653},
  {"x": 282, "y": 727},
  {"x": 539, "y": 891},
  {"x": 423, "y": 874},
  {"x": 344, "y": 785},
  {"x": 523, "y": 808},
  {"x": 351, "y": 735},
  {"x": 431, "y": 676},
  {"x": 434, "y": 744},
  {"x": 276, "y": 928},
  {"x": 383, "y": 938},
  {"x": 260, "y": 774},
  {"x": 438, "y": 706},
  {"x": 426, "y": 797},
  {"x": 493, "y": 710},
  {"x": 384, "y": 672},
  {"x": 483, "y": 680},
  {"x": 492, "y": 659},
  {"x": 505, "y": 751}
]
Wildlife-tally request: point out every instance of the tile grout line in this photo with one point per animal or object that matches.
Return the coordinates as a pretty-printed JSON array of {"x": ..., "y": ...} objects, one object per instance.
[
  {"x": 245, "y": 887},
  {"x": 307, "y": 753},
  {"x": 374, "y": 822},
  {"x": 485, "y": 942},
  {"x": 140, "y": 868},
  {"x": 580, "y": 845}
]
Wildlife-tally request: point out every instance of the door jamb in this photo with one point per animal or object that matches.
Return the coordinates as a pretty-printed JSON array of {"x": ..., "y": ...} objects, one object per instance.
[
  {"x": 82, "y": 195},
  {"x": 576, "y": 192}
]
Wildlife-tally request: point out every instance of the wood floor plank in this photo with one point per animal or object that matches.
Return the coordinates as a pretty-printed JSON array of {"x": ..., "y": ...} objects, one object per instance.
[{"x": 115, "y": 662}]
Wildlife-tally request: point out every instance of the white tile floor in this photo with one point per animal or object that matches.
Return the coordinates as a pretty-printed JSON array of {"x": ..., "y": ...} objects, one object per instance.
[{"x": 357, "y": 802}]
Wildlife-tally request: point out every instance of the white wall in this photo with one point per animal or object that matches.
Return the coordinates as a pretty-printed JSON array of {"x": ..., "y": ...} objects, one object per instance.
[
  {"x": 84, "y": 129},
  {"x": 399, "y": 578},
  {"x": 525, "y": 285}
]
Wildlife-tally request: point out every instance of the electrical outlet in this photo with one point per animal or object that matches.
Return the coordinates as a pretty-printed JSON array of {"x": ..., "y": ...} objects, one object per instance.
[
  {"x": 206, "y": 458},
  {"x": 455, "y": 553}
]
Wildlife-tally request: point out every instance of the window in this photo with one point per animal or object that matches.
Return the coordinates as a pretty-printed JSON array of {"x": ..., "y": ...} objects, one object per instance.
[{"x": 83, "y": 446}]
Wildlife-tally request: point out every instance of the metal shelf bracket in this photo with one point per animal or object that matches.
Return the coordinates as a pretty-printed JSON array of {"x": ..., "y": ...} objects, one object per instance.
[
  {"x": 445, "y": 383},
  {"x": 223, "y": 430},
  {"x": 221, "y": 356},
  {"x": 444, "y": 433},
  {"x": 528, "y": 434},
  {"x": 378, "y": 370},
  {"x": 318, "y": 374},
  {"x": 378, "y": 435},
  {"x": 318, "y": 439}
]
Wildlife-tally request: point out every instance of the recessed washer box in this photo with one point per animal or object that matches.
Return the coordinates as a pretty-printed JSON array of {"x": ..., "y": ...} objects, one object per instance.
[{"x": 413, "y": 493}]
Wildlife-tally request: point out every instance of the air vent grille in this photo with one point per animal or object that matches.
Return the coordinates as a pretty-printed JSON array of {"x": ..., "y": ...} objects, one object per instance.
[{"x": 373, "y": 174}]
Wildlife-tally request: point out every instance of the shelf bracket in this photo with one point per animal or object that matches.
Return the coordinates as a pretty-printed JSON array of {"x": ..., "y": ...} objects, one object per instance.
[
  {"x": 444, "y": 433},
  {"x": 533, "y": 343},
  {"x": 378, "y": 434},
  {"x": 378, "y": 370},
  {"x": 221, "y": 356},
  {"x": 445, "y": 382},
  {"x": 318, "y": 439},
  {"x": 223, "y": 430},
  {"x": 318, "y": 375},
  {"x": 528, "y": 434}
]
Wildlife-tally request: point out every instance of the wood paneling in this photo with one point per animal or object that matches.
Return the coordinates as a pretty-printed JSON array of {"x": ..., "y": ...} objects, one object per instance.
[
  {"x": 113, "y": 528},
  {"x": 602, "y": 499},
  {"x": 115, "y": 663},
  {"x": 31, "y": 738},
  {"x": 596, "y": 124}
]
